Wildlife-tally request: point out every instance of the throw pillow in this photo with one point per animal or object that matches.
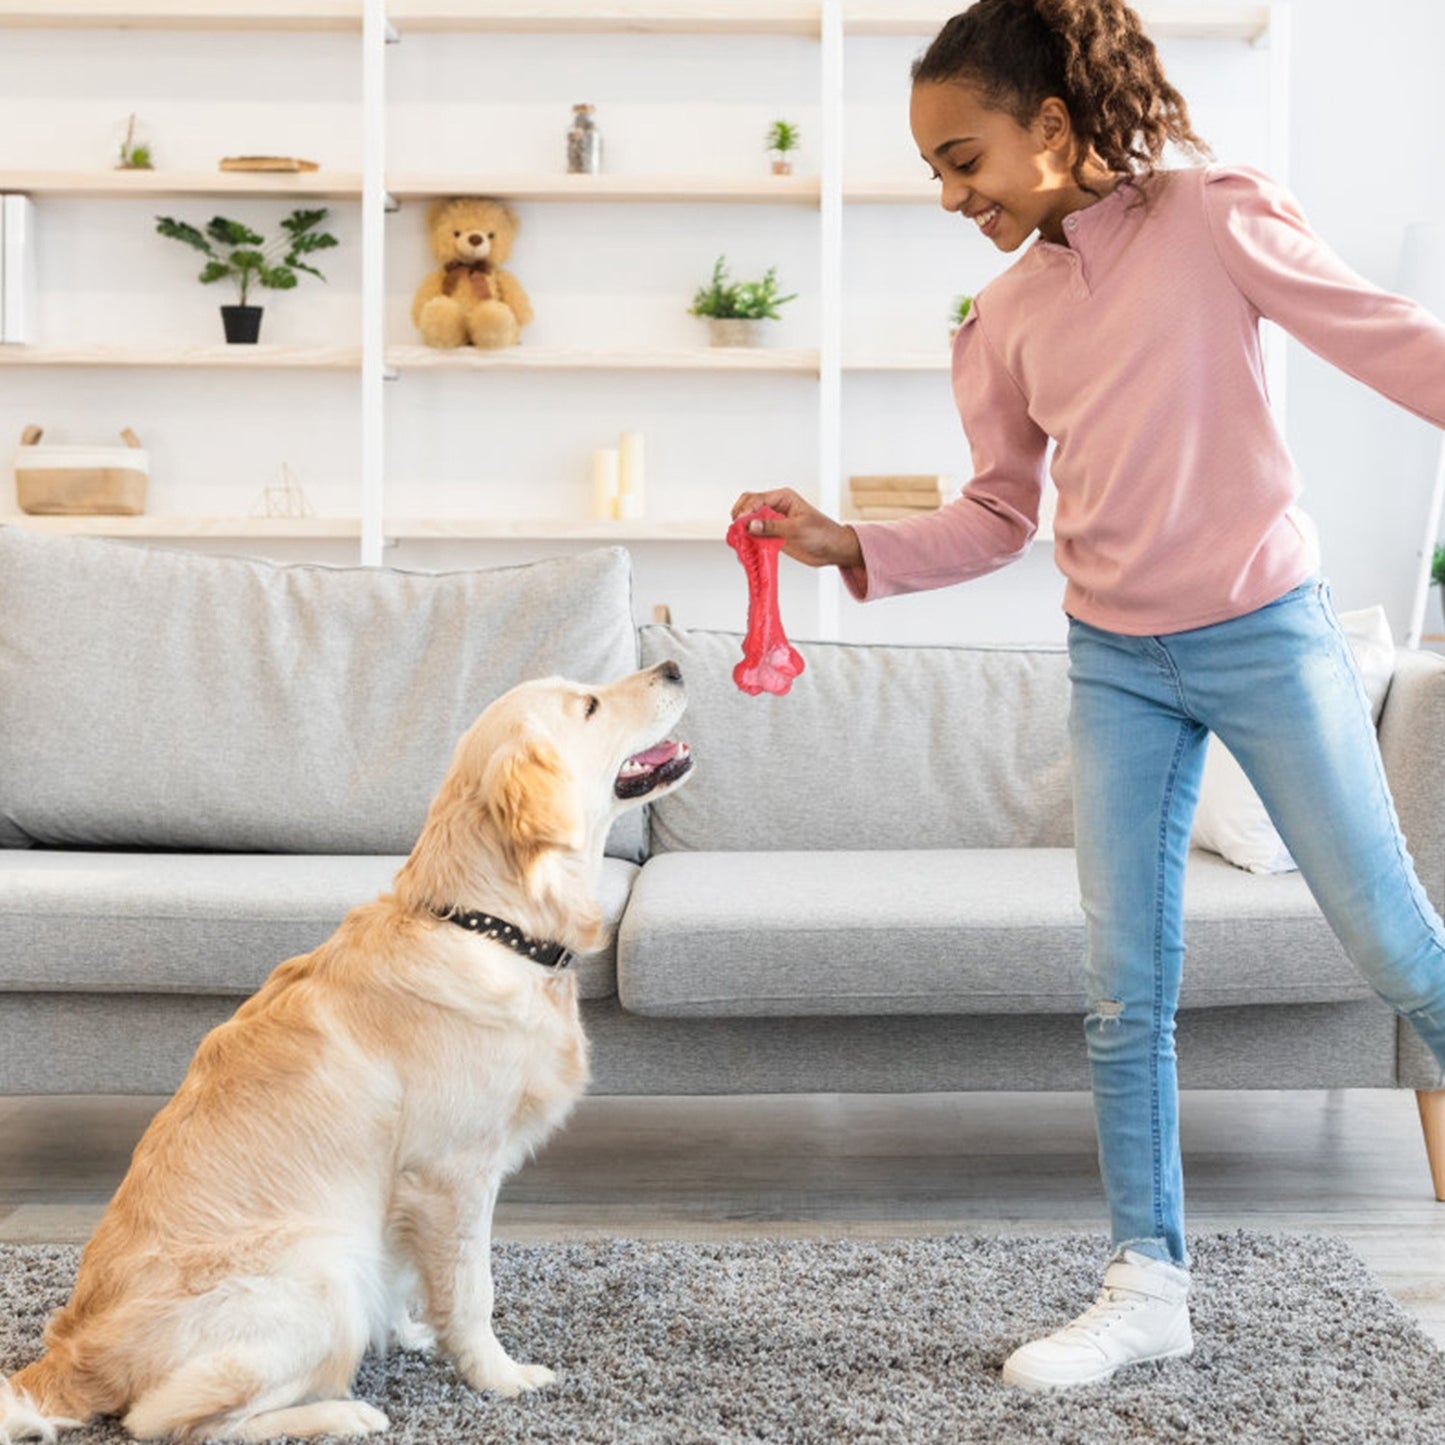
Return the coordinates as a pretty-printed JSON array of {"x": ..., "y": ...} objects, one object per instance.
[{"x": 1231, "y": 820}]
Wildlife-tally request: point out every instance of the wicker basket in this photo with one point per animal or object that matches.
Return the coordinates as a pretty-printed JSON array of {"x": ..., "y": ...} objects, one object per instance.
[{"x": 74, "y": 481}]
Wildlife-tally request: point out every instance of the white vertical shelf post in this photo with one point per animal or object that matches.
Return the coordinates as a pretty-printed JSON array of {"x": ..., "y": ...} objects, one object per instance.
[
  {"x": 830, "y": 286},
  {"x": 373, "y": 278}
]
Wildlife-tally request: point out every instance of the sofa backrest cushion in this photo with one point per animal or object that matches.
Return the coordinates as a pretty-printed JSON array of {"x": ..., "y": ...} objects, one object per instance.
[
  {"x": 154, "y": 698},
  {"x": 874, "y": 747}
]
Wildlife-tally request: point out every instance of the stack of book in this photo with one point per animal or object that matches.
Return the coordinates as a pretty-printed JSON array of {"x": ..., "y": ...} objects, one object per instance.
[{"x": 879, "y": 499}]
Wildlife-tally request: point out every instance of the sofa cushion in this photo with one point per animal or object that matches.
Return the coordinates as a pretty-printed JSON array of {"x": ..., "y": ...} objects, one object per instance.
[
  {"x": 213, "y": 923},
  {"x": 874, "y": 747},
  {"x": 974, "y": 931},
  {"x": 169, "y": 699}
]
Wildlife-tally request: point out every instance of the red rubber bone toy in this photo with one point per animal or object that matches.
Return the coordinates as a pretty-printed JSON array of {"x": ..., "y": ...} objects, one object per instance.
[{"x": 770, "y": 662}]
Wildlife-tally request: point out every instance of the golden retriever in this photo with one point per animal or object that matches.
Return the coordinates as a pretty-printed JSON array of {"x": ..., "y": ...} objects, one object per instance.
[{"x": 337, "y": 1146}]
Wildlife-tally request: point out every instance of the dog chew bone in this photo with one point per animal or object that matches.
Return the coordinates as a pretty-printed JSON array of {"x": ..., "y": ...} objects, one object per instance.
[{"x": 770, "y": 662}]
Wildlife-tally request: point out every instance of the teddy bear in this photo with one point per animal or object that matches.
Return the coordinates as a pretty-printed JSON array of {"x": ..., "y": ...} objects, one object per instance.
[{"x": 469, "y": 297}]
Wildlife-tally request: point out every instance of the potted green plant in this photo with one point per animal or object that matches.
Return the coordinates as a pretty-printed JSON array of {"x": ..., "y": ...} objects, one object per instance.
[
  {"x": 1437, "y": 571},
  {"x": 962, "y": 305},
  {"x": 782, "y": 139},
  {"x": 249, "y": 260},
  {"x": 734, "y": 308}
]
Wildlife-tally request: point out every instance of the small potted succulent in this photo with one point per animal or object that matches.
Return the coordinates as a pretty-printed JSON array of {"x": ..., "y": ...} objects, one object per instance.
[
  {"x": 235, "y": 251},
  {"x": 782, "y": 141},
  {"x": 733, "y": 309},
  {"x": 132, "y": 156}
]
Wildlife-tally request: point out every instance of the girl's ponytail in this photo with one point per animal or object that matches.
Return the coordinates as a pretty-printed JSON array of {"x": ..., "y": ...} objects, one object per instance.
[{"x": 1093, "y": 54}]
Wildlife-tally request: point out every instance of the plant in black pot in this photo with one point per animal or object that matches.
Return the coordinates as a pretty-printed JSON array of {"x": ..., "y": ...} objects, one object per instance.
[{"x": 234, "y": 250}]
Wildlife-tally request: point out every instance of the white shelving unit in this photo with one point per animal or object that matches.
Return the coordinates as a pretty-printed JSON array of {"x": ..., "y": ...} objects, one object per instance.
[{"x": 378, "y": 359}]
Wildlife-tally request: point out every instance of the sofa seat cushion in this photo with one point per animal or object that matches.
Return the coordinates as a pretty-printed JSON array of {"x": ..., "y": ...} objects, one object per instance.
[
  {"x": 199, "y": 923},
  {"x": 952, "y": 931}
]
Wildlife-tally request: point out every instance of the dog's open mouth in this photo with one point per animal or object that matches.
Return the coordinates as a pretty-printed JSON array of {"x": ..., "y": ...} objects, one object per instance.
[{"x": 664, "y": 762}]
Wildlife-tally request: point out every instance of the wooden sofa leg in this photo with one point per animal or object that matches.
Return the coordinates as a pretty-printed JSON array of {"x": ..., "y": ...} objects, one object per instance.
[{"x": 1432, "y": 1121}]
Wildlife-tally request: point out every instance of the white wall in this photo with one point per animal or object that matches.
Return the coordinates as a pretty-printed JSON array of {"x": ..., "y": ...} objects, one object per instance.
[
  {"x": 1366, "y": 148},
  {"x": 1369, "y": 152}
]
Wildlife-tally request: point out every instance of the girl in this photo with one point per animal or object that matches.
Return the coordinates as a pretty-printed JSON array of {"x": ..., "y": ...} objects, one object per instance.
[{"x": 1127, "y": 333}]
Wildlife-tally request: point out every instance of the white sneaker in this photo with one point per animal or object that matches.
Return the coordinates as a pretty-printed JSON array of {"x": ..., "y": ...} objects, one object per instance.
[{"x": 1140, "y": 1315}]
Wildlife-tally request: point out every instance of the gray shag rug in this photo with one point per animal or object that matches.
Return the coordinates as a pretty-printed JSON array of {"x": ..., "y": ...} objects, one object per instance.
[{"x": 828, "y": 1341}]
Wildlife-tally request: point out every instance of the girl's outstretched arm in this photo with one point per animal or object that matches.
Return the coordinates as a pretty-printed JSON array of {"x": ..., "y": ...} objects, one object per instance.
[
  {"x": 994, "y": 519},
  {"x": 1289, "y": 275},
  {"x": 989, "y": 525}
]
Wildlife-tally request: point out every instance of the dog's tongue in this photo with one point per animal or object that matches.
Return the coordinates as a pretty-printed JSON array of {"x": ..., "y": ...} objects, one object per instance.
[{"x": 655, "y": 756}]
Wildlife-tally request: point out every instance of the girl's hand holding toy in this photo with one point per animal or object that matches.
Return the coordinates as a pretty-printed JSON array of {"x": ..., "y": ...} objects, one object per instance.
[{"x": 809, "y": 536}]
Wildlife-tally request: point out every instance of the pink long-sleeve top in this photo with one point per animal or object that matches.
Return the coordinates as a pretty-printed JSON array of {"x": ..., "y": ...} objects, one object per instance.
[{"x": 1135, "y": 347}]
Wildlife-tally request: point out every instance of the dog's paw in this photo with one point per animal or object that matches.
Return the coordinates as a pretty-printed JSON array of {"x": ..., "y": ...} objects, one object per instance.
[
  {"x": 506, "y": 1377},
  {"x": 344, "y": 1418},
  {"x": 410, "y": 1334},
  {"x": 356, "y": 1417}
]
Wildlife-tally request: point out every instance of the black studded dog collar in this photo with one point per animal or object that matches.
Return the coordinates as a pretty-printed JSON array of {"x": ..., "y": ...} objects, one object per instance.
[{"x": 549, "y": 955}]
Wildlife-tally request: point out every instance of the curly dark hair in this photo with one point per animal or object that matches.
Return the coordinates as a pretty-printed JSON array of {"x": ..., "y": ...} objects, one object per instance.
[{"x": 1092, "y": 54}]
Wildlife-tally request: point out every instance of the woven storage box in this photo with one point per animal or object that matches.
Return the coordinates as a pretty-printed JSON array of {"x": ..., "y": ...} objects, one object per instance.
[{"x": 57, "y": 481}]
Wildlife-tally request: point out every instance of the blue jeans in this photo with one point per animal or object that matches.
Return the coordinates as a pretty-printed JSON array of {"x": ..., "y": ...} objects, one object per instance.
[{"x": 1280, "y": 689}]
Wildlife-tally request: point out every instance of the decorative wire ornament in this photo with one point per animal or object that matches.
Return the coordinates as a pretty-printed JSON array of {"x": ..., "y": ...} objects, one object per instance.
[{"x": 287, "y": 500}]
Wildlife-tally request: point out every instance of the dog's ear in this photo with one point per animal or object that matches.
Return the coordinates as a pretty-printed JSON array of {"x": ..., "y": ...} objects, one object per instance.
[{"x": 533, "y": 799}]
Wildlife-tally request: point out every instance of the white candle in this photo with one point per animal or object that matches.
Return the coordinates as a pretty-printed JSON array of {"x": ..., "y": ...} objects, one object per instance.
[
  {"x": 629, "y": 507},
  {"x": 605, "y": 485},
  {"x": 630, "y": 449}
]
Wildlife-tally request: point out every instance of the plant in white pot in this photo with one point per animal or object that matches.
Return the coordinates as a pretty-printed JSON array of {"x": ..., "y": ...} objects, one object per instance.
[
  {"x": 733, "y": 309},
  {"x": 1437, "y": 571},
  {"x": 250, "y": 260},
  {"x": 782, "y": 141}
]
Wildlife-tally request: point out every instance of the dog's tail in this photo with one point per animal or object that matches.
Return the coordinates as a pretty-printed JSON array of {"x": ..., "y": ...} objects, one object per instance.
[{"x": 35, "y": 1403}]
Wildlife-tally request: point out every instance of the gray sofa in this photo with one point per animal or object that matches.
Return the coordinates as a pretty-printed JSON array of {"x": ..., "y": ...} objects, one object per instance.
[{"x": 868, "y": 884}]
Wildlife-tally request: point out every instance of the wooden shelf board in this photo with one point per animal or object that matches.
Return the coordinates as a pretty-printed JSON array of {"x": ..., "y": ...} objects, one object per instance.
[
  {"x": 333, "y": 185},
  {"x": 860, "y": 361},
  {"x": 531, "y": 186},
  {"x": 658, "y": 17},
  {"x": 458, "y": 529},
  {"x": 251, "y": 358},
  {"x": 156, "y": 526},
  {"x": 528, "y": 186},
  {"x": 801, "y": 361},
  {"x": 415, "y": 529},
  {"x": 1182, "y": 21},
  {"x": 891, "y": 191},
  {"x": 525, "y": 358},
  {"x": 181, "y": 15}
]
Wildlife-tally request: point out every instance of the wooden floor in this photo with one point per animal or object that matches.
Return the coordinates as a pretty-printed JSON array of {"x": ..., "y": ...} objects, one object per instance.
[{"x": 1347, "y": 1162}]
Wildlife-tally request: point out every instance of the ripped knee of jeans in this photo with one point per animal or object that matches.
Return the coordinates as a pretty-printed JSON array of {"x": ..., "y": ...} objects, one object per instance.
[{"x": 1105, "y": 1011}]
